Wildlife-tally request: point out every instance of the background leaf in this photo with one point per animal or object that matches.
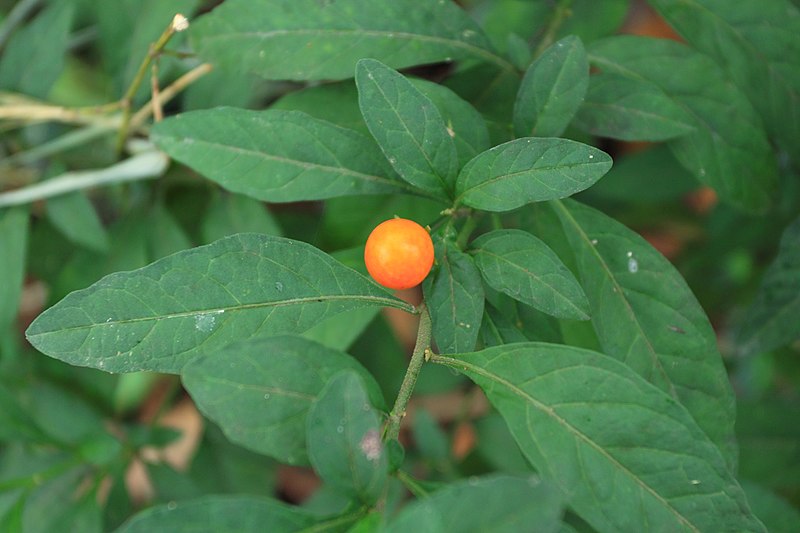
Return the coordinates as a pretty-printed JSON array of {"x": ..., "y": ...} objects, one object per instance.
[
  {"x": 454, "y": 295},
  {"x": 235, "y": 213},
  {"x": 344, "y": 439},
  {"x": 529, "y": 170},
  {"x": 777, "y": 514},
  {"x": 13, "y": 243},
  {"x": 75, "y": 216},
  {"x": 773, "y": 318},
  {"x": 260, "y": 391},
  {"x": 728, "y": 150},
  {"x": 495, "y": 503},
  {"x": 407, "y": 126},
  {"x": 758, "y": 43},
  {"x": 518, "y": 264},
  {"x": 769, "y": 443},
  {"x": 652, "y": 175},
  {"x": 276, "y": 156},
  {"x": 602, "y": 433},
  {"x": 158, "y": 317},
  {"x": 31, "y": 64},
  {"x": 631, "y": 110},
  {"x": 464, "y": 124},
  {"x": 240, "y": 513},
  {"x": 552, "y": 90},
  {"x": 306, "y": 40},
  {"x": 647, "y": 317}
]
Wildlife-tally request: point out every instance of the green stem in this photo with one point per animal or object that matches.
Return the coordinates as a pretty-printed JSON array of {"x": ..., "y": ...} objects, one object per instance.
[
  {"x": 150, "y": 164},
  {"x": 418, "y": 357},
  {"x": 177, "y": 24},
  {"x": 411, "y": 484},
  {"x": 561, "y": 12},
  {"x": 466, "y": 230}
]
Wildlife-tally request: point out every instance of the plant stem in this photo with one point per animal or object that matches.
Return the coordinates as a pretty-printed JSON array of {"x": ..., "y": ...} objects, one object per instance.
[
  {"x": 466, "y": 230},
  {"x": 421, "y": 349},
  {"x": 177, "y": 24},
  {"x": 150, "y": 164},
  {"x": 167, "y": 94},
  {"x": 561, "y": 12}
]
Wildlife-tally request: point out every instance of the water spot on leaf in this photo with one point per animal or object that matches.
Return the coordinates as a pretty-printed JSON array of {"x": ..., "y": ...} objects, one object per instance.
[
  {"x": 205, "y": 322},
  {"x": 340, "y": 429},
  {"x": 371, "y": 445},
  {"x": 633, "y": 264},
  {"x": 279, "y": 286}
]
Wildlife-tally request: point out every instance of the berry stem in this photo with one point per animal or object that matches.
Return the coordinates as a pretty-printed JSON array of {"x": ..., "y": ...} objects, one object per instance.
[{"x": 418, "y": 357}]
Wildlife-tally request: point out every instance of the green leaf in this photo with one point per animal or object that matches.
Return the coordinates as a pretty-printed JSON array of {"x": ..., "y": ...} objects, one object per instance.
[
  {"x": 631, "y": 110},
  {"x": 34, "y": 57},
  {"x": 340, "y": 331},
  {"x": 409, "y": 129},
  {"x": 778, "y": 515},
  {"x": 259, "y": 391},
  {"x": 603, "y": 434},
  {"x": 529, "y": 170},
  {"x": 773, "y": 318},
  {"x": 496, "y": 503},
  {"x": 769, "y": 443},
  {"x": 454, "y": 296},
  {"x": 158, "y": 317},
  {"x": 497, "y": 446},
  {"x": 591, "y": 19},
  {"x": 307, "y": 40},
  {"x": 75, "y": 217},
  {"x": 652, "y": 175},
  {"x": 491, "y": 90},
  {"x": 231, "y": 514},
  {"x": 498, "y": 329},
  {"x": 518, "y": 264},
  {"x": 344, "y": 439},
  {"x": 166, "y": 236},
  {"x": 276, "y": 156},
  {"x": 758, "y": 43},
  {"x": 13, "y": 243},
  {"x": 552, "y": 90},
  {"x": 464, "y": 124},
  {"x": 235, "y": 213},
  {"x": 429, "y": 438},
  {"x": 335, "y": 102},
  {"x": 647, "y": 317},
  {"x": 728, "y": 149}
]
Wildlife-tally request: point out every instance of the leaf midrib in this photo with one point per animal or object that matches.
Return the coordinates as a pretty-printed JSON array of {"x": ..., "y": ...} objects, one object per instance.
[
  {"x": 305, "y": 165},
  {"x": 360, "y": 32},
  {"x": 531, "y": 170},
  {"x": 220, "y": 311},
  {"x": 531, "y": 274}
]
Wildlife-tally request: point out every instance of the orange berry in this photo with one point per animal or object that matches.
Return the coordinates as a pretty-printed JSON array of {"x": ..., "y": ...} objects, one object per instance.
[{"x": 399, "y": 253}]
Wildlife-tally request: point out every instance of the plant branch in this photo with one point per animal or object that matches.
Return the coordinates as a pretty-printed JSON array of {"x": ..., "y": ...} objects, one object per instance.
[
  {"x": 561, "y": 12},
  {"x": 168, "y": 93},
  {"x": 418, "y": 357},
  {"x": 178, "y": 23},
  {"x": 150, "y": 164}
]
